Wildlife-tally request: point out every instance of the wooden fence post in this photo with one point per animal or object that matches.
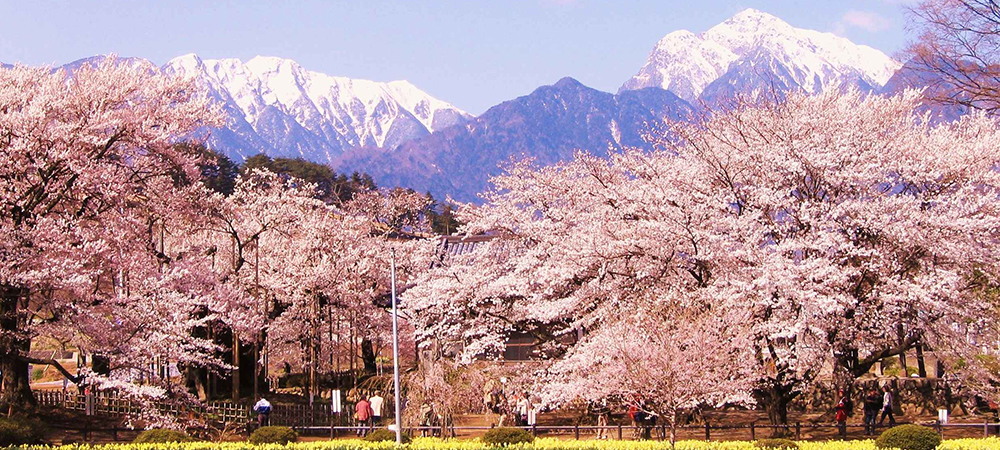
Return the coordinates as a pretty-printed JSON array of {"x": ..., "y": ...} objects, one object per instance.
[
  {"x": 576, "y": 431},
  {"x": 753, "y": 431},
  {"x": 619, "y": 431},
  {"x": 708, "y": 431},
  {"x": 798, "y": 431}
]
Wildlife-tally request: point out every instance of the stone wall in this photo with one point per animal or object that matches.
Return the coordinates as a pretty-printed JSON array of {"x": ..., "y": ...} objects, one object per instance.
[{"x": 914, "y": 396}]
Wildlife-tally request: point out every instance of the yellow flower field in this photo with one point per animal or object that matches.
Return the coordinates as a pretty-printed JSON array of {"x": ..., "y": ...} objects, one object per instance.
[{"x": 539, "y": 444}]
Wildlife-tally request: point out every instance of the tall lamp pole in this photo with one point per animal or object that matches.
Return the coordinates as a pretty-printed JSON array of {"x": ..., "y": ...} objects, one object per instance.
[{"x": 395, "y": 352}]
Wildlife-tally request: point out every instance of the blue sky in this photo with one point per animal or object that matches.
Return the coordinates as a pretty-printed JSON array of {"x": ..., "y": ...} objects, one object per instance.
[{"x": 471, "y": 53}]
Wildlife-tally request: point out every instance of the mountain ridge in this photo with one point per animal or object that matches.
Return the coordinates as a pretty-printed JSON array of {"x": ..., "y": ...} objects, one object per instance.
[{"x": 549, "y": 125}]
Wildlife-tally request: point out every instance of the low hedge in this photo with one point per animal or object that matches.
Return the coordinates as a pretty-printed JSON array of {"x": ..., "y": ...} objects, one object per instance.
[
  {"x": 382, "y": 434},
  {"x": 21, "y": 431},
  {"x": 273, "y": 435},
  {"x": 909, "y": 437},
  {"x": 157, "y": 436},
  {"x": 507, "y": 436},
  {"x": 776, "y": 444}
]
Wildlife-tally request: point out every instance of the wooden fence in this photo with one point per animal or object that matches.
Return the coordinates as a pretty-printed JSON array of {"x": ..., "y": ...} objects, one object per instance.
[
  {"x": 292, "y": 415},
  {"x": 318, "y": 420}
]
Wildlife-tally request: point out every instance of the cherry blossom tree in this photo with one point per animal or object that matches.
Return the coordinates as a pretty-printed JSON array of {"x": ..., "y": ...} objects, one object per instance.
[
  {"x": 660, "y": 362},
  {"x": 296, "y": 266},
  {"x": 89, "y": 172},
  {"x": 605, "y": 263},
  {"x": 855, "y": 229}
]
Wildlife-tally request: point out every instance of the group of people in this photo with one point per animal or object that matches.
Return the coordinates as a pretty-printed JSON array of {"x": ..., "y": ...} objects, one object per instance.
[
  {"x": 643, "y": 418},
  {"x": 875, "y": 402},
  {"x": 518, "y": 411},
  {"x": 368, "y": 413}
]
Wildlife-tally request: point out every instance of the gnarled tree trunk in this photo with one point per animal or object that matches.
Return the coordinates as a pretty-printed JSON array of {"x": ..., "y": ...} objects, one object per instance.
[
  {"x": 14, "y": 347},
  {"x": 775, "y": 399}
]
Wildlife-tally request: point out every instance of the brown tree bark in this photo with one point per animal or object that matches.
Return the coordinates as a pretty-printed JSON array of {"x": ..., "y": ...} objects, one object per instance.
[
  {"x": 368, "y": 355},
  {"x": 14, "y": 347}
]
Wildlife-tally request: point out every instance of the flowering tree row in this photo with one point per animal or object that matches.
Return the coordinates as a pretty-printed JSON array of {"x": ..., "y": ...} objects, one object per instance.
[
  {"x": 111, "y": 242},
  {"x": 753, "y": 250}
]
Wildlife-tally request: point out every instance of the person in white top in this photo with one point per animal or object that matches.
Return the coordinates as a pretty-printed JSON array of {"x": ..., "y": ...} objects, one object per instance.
[
  {"x": 376, "y": 403},
  {"x": 523, "y": 408},
  {"x": 887, "y": 407}
]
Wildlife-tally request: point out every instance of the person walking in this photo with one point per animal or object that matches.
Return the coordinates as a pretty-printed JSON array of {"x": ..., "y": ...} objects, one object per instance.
[
  {"x": 263, "y": 410},
  {"x": 873, "y": 403},
  {"x": 523, "y": 408},
  {"x": 602, "y": 411},
  {"x": 841, "y": 417},
  {"x": 376, "y": 403},
  {"x": 426, "y": 418},
  {"x": 633, "y": 413},
  {"x": 363, "y": 414},
  {"x": 887, "y": 407}
]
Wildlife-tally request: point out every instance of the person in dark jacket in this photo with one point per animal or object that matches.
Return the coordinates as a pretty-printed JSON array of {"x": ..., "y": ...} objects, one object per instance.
[{"x": 873, "y": 403}]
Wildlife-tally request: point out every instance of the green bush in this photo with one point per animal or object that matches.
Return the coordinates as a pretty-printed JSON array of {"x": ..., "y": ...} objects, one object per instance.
[
  {"x": 892, "y": 372},
  {"x": 909, "y": 437},
  {"x": 20, "y": 431},
  {"x": 157, "y": 436},
  {"x": 273, "y": 435},
  {"x": 383, "y": 434},
  {"x": 776, "y": 444},
  {"x": 507, "y": 436}
]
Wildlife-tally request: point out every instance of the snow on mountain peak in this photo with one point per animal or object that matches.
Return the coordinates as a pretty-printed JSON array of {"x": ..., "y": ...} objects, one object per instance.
[
  {"x": 686, "y": 63},
  {"x": 278, "y": 99}
]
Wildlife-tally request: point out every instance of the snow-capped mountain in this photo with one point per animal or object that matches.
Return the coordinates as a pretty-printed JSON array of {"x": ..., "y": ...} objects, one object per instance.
[
  {"x": 275, "y": 106},
  {"x": 754, "y": 49}
]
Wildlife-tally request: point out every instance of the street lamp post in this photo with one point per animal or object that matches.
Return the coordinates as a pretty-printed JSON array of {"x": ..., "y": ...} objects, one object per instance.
[{"x": 395, "y": 352}]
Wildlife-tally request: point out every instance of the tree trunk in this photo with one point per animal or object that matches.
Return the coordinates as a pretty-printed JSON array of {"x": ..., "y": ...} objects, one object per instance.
[
  {"x": 902, "y": 355},
  {"x": 368, "y": 355},
  {"x": 775, "y": 399},
  {"x": 236, "y": 369},
  {"x": 14, "y": 343},
  {"x": 195, "y": 380},
  {"x": 921, "y": 368}
]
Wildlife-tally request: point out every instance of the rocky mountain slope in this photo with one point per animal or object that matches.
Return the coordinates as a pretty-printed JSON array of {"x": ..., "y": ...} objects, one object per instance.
[{"x": 549, "y": 125}]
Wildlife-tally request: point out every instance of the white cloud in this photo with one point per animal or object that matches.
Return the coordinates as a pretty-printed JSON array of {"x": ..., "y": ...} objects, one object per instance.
[{"x": 865, "y": 20}]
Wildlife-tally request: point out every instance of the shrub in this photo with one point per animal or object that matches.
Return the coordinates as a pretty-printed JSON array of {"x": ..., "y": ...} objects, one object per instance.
[
  {"x": 157, "y": 436},
  {"x": 507, "y": 436},
  {"x": 909, "y": 437},
  {"x": 273, "y": 435},
  {"x": 383, "y": 434},
  {"x": 20, "y": 431},
  {"x": 892, "y": 372},
  {"x": 776, "y": 444}
]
